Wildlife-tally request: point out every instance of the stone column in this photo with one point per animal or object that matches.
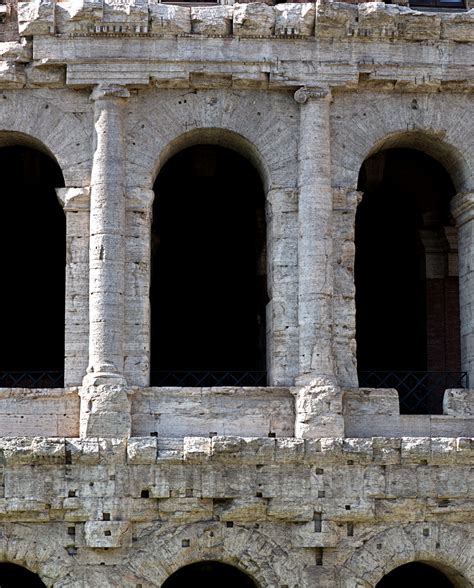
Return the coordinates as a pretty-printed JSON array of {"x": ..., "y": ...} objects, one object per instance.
[
  {"x": 462, "y": 207},
  {"x": 76, "y": 205},
  {"x": 105, "y": 407},
  {"x": 318, "y": 401}
]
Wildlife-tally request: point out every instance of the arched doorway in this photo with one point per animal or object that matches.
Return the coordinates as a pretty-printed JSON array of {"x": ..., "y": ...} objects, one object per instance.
[
  {"x": 212, "y": 574},
  {"x": 32, "y": 253},
  {"x": 13, "y": 576},
  {"x": 208, "y": 281},
  {"x": 406, "y": 276},
  {"x": 415, "y": 575}
]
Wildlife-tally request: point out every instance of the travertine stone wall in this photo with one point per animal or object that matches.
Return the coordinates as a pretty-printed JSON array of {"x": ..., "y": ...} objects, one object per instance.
[
  {"x": 311, "y": 481},
  {"x": 289, "y": 512}
]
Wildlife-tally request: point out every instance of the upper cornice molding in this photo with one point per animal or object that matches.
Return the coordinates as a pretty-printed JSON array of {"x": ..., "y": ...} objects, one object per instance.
[{"x": 325, "y": 20}]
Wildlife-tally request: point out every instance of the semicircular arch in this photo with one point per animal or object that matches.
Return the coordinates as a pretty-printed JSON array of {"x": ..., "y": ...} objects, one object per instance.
[
  {"x": 39, "y": 123},
  {"x": 445, "y": 547},
  {"x": 422, "y": 122},
  {"x": 159, "y": 555},
  {"x": 44, "y": 557},
  {"x": 264, "y": 128},
  {"x": 219, "y": 138}
]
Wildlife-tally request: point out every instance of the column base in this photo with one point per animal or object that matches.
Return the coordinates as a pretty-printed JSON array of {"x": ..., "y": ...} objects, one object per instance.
[
  {"x": 318, "y": 406},
  {"x": 105, "y": 410},
  {"x": 103, "y": 378}
]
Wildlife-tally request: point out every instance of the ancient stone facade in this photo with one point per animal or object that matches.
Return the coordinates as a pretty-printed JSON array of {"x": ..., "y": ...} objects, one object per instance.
[{"x": 310, "y": 480}]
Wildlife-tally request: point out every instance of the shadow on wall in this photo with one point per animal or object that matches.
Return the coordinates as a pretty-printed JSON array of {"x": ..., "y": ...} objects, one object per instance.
[
  {"x": 415, "y": 575},
  {"x": 406, "y": 276},
  {"x": 14, "y": 576},
  {"x": 212, "y": 574}
]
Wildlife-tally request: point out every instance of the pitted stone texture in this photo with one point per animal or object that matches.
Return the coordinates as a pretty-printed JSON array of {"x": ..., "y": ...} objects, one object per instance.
[
  {"x": 105, "y": 411},
  {"x": 93, "y": 499},
  {"x": 170, "y": 19},
  {"x": 177, "y": 412},
  {"x": 106, "y": 534},
  {"x": 295, "y": 19},
  {"x": 370, "y": 20},
  {"x": 459, "y": 403},
  {"x": 253, "y": 20},
  {"x": 211, "y": 20},
  {"x": 318, "y": 410}
]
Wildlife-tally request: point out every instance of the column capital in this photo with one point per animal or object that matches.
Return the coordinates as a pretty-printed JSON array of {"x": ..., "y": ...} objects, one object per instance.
[
  {"x": 104, "y": 91},
  {"x": 74, "y": 199},
  {"x": 462, "y": 207},
  {"x": 303, "y": 94},
  {"x": 346, "y": 198},
  {"x": 140, "y": 199}
]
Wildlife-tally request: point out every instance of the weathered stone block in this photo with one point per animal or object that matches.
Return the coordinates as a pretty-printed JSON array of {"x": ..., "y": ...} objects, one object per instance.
[
  {"x": 295, "y": 19},
  {"x": 107, "y": 534},
  {"x": 169, "y": 19},
  {"x": 215, "y": 20},
  {"x": 142, "y": 450},
  {"x": 253, "y": 20}
]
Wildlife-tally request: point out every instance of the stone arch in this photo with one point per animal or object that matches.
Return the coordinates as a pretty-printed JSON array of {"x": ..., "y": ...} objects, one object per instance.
[
  {"x": 247, "y": 121},
  {"x": 220, "y": 138},
  {"x": 418, "y": 121},
  {"x": 46, "y": 558},
  {"x": 33, "y": 119},
  {"x": 432, "y": 144},
  {"x": 416, "y": 572},
  {"x": 154, "y": 558},
  {"x": 262, "y": 127},
  {"x": 13, "y": 575},
  {"x": 446, "y": 547},
  {"x": 211, "y": 571}
]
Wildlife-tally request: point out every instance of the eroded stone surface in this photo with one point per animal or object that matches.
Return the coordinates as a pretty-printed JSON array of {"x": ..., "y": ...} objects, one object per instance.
[{"x": 310, "y": 481}]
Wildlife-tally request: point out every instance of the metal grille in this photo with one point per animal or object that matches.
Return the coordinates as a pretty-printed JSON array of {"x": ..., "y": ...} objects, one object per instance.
[
  {"x": 208, "y": 379},
  {"x": 419, "y": 392},
  {"x": 31, "y": 379},
  {"x": 457, "y": 4}
]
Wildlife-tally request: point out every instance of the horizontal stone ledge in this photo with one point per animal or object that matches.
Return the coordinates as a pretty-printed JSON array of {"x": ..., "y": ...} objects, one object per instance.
[{"x": 217, "y": 450}]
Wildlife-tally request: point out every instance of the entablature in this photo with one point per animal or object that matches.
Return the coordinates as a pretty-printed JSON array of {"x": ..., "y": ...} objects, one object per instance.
[{"x": 254, "y": 45}]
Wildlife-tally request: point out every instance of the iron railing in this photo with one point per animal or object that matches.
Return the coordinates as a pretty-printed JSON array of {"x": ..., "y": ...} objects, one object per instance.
[
  {"x": 35, "y": 379},
  {"x": 207, "y": 379},
  {"x": 419, "y": 392}
]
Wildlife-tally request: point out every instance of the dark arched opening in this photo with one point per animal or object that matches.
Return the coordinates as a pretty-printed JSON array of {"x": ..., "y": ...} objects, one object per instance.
[
  {"x": 406, "y": 276},
  {"x": 208, "y": 281},
  {"x": 212, "y": 574},
  {"x": 14, "y": 576},
  {"x": 415, "y": 575},
  {"x": 32, "y": 252}
]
